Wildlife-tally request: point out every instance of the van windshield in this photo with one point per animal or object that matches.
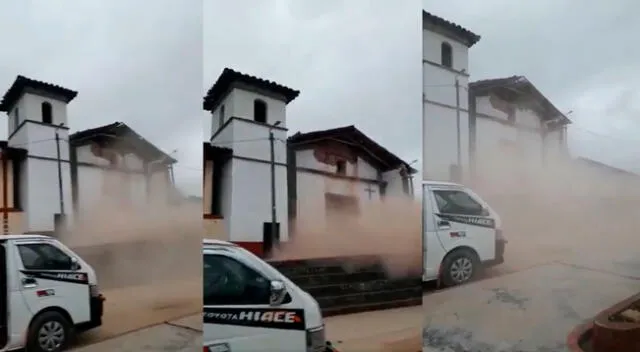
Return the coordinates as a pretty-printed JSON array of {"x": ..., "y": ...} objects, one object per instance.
[{"x": 271, "y": 271}]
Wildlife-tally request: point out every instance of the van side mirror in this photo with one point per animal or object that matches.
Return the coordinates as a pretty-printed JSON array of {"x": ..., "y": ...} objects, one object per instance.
[
  {"x": 278, "y": 292},
  {"x": 74, "y": 264}
]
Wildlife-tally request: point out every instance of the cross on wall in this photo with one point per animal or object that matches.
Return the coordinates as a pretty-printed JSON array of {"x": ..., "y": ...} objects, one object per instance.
[{"x": 369, "y": 190}]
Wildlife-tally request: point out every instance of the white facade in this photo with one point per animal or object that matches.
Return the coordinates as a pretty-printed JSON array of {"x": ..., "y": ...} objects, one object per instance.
[
  {"x": 242, "y": 199},
  {"x": 38, "y": 123},
  {"x": 40, "y": 193},
  {"x": 440, "y": 124},
  {"x": 312, "y": 187},
  {"x": 97, "y": 184},
  {"x": 513, "y": 143},
  {"x": 246, "y": 195}
]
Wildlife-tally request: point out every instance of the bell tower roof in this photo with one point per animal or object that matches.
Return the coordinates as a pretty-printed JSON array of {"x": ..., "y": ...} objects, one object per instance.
[
  {"x": 23, "y": 84},
  {"x": 230, "y": 79}
]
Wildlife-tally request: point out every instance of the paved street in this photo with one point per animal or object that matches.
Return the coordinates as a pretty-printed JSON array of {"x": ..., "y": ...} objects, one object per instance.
[
  {"x": 181, "y": 335},
  {"x": 559, "y": 272},
  {"x": 136, "y": 307}
]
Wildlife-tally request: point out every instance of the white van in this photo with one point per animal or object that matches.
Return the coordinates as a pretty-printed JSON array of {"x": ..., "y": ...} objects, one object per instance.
[
  {"x": 250, "y": 306},
  {"x": 462, "y": 234},
  {"x": 47, "y": 292}
]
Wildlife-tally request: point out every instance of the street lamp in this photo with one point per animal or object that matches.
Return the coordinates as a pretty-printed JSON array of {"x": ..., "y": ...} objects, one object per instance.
[{"x": 272, "y": 163}]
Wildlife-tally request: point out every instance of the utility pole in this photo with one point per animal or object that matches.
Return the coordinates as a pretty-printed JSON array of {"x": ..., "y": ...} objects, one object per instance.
[
  {"x": 272, "y": 162},
  {"x": 60, "y": 190},
  {"x": 458, "y": 133}
]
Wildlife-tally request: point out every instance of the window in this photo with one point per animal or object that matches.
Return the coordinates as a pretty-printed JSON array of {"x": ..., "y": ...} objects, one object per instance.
[
  {"x": 42, "y": 256},
  {"x": 229, "y": 282},
  {"x": 341, "y": 167},
  {"x": 446, "y": 55},
  {"x": 457, "y": 202},
  {"x": 259, "y": 111},
  {"x": 47, "y": 115},
  {"x": 221, "y": 122}
]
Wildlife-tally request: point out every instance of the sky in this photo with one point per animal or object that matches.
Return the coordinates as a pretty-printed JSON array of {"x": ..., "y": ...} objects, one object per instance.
[
  {"x": 355, "y": 62},
  {"x": 580, "y": 57},
  {"x": 135, "y": 62}
]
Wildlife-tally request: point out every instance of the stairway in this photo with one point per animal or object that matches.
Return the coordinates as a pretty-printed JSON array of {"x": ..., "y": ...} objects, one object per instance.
[
  {"x": 5, "y": 224},
  {"x": 345, "y": 285}
]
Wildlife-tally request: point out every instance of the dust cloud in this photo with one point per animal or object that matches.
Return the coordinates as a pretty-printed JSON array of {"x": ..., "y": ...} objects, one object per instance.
[
  {"x": 570, "y": 207},
  {"x": 389, "y": 231},
  {"x": 146, "y": 256}
]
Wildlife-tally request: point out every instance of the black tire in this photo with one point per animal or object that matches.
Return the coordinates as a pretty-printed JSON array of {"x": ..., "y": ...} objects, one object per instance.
[
  {"x": 54, "y": 322},
  {"x": 459, "y": 267}
]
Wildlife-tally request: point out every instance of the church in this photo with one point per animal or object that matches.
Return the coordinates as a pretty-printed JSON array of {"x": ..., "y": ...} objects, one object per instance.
[
  {"x": 257, "y": 178},
  {"x": 49, "y": 176}
]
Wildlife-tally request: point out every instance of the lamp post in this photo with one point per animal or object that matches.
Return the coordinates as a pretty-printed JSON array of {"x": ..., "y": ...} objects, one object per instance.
[{"x": 272, "y": 162}]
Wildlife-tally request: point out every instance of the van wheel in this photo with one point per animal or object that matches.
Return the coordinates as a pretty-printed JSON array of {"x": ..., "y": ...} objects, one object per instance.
[
  {"x": 49, "y": 332},
  {"x": 459, "y": 267}
]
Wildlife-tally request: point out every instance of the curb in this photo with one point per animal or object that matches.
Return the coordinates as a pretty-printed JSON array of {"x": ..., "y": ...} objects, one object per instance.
[{"x": 576, "y": 335}]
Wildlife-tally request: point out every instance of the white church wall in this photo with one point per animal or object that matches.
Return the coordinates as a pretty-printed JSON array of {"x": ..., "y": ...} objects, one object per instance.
[
  {"x": 251, "y": 206},
  {"x": 395, "y": 188},
  {"x": 43, "y": 200},
  {"x": 440, "y": 142},
  {"x": 40, "y": 140},
  {"x": 251, "y": 140},
  {"x": 30, "y": 106},
  {"x": 97, "y": 185},
  {"x": 439, "y": 111},
  {"x": 312, "y": 187},
  {"x": 84, "y": 155},
  {"x": 431, "y": 46},
  {"x": 227, "y": 193},
  {"x": 90, "y": 190},
  {"x": 365, "y": 170},
  {"x": 221, "y": 114},
  {"x": 242, "y": 106}
]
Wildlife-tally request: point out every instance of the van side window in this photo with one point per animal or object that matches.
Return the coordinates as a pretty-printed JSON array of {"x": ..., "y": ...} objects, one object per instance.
[
  {"x": 457, "y": 202},
  {"x": 42, "y": 256},
  {"x": 226, "y": 281}
]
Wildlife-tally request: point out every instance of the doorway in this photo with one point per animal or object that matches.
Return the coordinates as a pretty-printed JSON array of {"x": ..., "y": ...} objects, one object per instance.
[
  {"x": 4, "y": 294},
  {"x": 270, "y": 240}
]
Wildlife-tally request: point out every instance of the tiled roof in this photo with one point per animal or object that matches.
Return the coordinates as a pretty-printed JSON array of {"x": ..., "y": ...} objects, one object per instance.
[
  {"x": 518, "y": 85},
  {"x": 120, "y": 131},
  {"x": 21, "y": 83},
  {"x": 352, "y": 134},
  {"x": 465, "y": 35},
  {"x": 229, "y": 77}
]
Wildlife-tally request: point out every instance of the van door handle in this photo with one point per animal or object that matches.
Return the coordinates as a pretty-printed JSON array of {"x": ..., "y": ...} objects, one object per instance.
[
  {"x": 444, "y": 225},
  {"x": 29, "y": 282}
]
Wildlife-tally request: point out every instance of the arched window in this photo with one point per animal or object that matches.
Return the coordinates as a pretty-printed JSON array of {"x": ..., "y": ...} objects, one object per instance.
[
  {"x": 259, "y": 111},
  {"x": 446, "y": 55},
  {"x": 47, "y": 115}
]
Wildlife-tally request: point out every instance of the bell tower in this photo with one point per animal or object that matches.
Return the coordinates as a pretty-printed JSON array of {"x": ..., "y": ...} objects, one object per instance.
[
  {"x": 38, "y": 122},
  {"x": 248, "y": 116}
]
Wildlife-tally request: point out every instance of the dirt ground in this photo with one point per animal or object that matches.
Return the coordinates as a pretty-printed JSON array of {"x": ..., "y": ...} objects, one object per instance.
[
  {"x": 132, "y": 308},
  {"x": 181, "y": 335}
]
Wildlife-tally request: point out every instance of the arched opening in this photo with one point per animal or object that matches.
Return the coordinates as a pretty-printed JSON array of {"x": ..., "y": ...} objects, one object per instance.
[
  {"x": 446, "y": 55},
  {"x": 47, "y": 114},
  {"x": 259, "y": 111}
]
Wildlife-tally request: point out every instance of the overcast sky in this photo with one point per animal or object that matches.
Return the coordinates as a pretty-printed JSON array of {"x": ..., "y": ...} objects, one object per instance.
[
  {"x": 581, "y": 57},
  {"x": 135, "y": 62},
  {"x": 355, "y": 62}
]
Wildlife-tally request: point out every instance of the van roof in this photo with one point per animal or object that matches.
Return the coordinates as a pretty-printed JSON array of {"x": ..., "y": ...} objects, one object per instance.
[
  {"x": 211, "y": 242},
  {"x": 24, "y": 237},
  {"x": 441, "y": 183}
]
